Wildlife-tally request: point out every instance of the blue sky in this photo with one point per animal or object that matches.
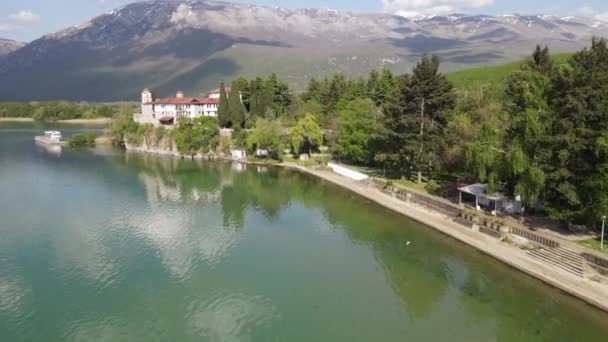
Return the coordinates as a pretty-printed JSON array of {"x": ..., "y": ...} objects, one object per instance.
[{"x": 26, "y": 20}]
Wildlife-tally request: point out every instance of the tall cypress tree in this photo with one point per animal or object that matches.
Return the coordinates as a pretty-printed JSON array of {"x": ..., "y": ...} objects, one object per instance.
[
  {"x": 223, "y": 111},
  {"x": 237, "y": 111},
  {"x": 256, "y": 105}
]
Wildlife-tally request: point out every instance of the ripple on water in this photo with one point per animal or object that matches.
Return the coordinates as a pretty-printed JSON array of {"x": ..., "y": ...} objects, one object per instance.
[
  {"x": 14, "y": 296},
  {"x": 231, "y": 317},
  {"x": 94, "y": 328},
  {"x": 85, "y": 251}
]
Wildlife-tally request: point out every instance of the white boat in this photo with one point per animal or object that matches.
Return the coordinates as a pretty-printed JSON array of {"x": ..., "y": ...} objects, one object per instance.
[{"x": 50, "y": 138}]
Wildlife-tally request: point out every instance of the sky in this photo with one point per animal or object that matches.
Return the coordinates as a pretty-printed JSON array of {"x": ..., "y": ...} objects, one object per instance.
[{"x": 26, "y": 20}]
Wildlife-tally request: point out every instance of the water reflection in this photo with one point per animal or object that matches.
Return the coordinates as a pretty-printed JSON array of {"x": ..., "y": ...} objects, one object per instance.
[
  {"x": 231, "y": 317},
  {"x": 430, "y": 275},
  {"x": 54, "y": 150},
  {"x": 116, "y": 246}
]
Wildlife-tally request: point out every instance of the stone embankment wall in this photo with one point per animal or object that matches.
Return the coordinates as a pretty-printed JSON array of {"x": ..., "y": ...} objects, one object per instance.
[
  {"x": 166, "y": 146},
  {"x": 163, "y": 149},
  {"x": 483, "y": 223},
  {"x": 410, "y": 195}
]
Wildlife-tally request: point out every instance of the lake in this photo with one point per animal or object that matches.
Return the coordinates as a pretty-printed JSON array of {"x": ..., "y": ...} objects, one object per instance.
[{"x": 103, "y": 245}]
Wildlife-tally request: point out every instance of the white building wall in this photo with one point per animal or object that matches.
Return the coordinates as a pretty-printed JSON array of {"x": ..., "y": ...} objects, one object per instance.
[
  {"x": 352, "y": 174},
  {"x": 151, "y": 112}
]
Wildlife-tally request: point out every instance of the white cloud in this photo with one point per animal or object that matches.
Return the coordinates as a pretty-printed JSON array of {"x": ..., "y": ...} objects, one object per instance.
[
  {"x": 27, "y": 16},
  {"x": 588, "y": 11},
  {"x": 411, "y": 8}
]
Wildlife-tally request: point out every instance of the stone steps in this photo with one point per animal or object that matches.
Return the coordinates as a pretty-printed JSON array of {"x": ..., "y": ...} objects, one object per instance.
[{"x": 560, "y": 257}]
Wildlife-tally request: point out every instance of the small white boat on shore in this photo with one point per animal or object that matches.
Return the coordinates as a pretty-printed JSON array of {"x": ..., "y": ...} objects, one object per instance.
[{"x": 50, "y": 138}]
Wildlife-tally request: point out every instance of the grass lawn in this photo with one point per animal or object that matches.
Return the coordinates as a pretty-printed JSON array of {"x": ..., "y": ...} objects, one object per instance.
[
  {"x": 411, "y": 184},
  {"x": 595, "y": 244},
  {"x": 497, "y": 75}
]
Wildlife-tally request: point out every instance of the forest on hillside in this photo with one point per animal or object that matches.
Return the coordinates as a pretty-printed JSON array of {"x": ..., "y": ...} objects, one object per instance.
[{"x": 50, "y": 111}]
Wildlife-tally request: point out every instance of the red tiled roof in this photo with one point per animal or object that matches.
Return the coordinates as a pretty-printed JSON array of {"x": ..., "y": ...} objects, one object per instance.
[{"x": 185, "y": 100}]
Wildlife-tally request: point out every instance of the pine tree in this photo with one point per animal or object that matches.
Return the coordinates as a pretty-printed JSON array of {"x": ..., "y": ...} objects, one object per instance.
[
  {"x": 415, "y": 115},
  {"x": 385, "y": 85},
  {"x": 223, "y": 111},
  {"x": 313, "y": 91},
  {"x": 577, "y": 169},
  {"x": 373, "y": 86},
  {"x": 541, "y": 60}
]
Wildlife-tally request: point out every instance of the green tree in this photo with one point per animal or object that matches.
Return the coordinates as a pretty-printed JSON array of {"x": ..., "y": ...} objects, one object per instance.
[
  {"x": 257, "y": 106},
  {"x": 416, "y": 114},
  {"x": 541, "y": 61},
  {"x": 526, "y": 102},
  {"x": 268, "y": 135},
  {"x": 373, "y": 86},
  {"x": 313, "y": 90},
  {"x": 242, "y": 84},
  {"x": 576, "y": 168},
  {"x": 122, "y": 124},
  {"x": 306, "y": 134},
  {"x": 197, "y": 135},
  {"x": 235, "y": 106},
  {"x": 358, "y": 121},
  {"x": 477, "y": 107},
  {"x": 513, "y": 153},
  {"x": 223, "y": 112}
]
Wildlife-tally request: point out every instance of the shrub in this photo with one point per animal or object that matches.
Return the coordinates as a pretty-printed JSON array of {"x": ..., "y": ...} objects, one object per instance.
[
  {"x": 82, "y": 139},
  {"x": 432, "y": 187},
  {"x": 198, "y": 135}
]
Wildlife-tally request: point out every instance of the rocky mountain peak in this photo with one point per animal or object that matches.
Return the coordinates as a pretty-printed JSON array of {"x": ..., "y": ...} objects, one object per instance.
[{"x": 193, "y": 44}]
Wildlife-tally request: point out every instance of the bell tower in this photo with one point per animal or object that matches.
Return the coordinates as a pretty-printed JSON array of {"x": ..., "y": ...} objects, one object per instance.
[{"x": 146, "y": 96}]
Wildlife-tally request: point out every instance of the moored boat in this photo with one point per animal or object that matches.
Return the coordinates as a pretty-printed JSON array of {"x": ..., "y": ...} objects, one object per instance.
[{"x": 50, "y": 138}]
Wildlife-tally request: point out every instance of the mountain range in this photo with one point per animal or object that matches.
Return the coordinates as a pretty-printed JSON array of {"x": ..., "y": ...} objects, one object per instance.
[
  {"x": 193, "y": 44},
  {"x": 7, "y": 45}
]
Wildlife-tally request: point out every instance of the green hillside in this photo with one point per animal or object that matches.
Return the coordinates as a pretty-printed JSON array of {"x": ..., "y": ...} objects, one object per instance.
[{"x": 492, "y": 74}]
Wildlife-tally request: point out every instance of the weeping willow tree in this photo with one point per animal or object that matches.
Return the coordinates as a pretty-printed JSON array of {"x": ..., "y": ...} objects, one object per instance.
[
  {"x": 514, "y": 155},
  {"x": 527, "y": 92},
  {"x": 485, "y": 157}
]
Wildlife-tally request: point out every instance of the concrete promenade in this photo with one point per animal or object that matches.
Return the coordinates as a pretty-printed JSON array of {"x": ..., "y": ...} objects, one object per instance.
[{"x": 590, "y": 291}]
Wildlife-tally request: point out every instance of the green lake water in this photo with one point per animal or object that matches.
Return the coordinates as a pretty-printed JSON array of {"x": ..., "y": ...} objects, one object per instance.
[{"x": 103, "y": 245}]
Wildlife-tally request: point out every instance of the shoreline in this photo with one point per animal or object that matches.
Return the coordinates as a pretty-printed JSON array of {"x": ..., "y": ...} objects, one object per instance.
[
  {"x": 593, "y": 293},
  {"x": 67, "y": 121}
]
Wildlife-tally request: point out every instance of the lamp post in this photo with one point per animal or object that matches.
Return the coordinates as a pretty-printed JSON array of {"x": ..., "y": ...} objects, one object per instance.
[{"x": 602, "y": 238}]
